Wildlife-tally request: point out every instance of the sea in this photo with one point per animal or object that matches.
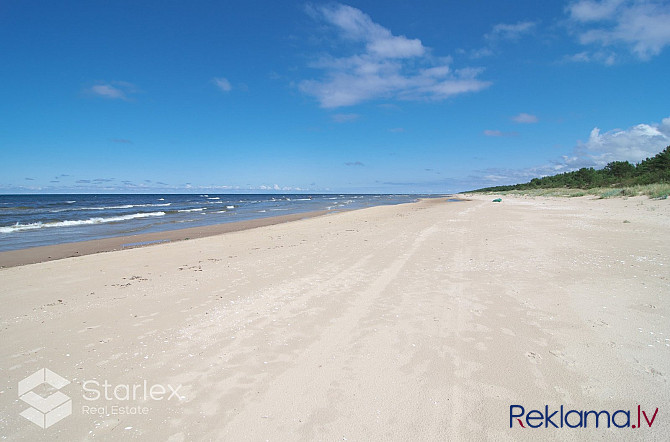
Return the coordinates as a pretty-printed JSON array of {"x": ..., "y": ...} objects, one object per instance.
[{"x": 39, "y": 220}]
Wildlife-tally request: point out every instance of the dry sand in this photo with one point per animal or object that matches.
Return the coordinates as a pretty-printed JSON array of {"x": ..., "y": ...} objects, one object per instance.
[{"x": 421, "y": 321}]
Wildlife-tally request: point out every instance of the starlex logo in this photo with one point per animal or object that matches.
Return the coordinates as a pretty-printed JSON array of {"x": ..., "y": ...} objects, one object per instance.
[
  {"x": 44, "y": 411},
  {"x": 559, "y": 418}
]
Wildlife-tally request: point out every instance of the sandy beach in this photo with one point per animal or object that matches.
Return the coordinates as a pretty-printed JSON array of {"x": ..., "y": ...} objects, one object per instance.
[
  {"x": 421, "y": 321},
  {"x": 34, "y": 255}
]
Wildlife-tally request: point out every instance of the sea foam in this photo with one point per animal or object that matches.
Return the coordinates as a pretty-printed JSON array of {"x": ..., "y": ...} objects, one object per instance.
[
  {"x": 124, "y": 206},
  {"x": 69, "y": 223}
]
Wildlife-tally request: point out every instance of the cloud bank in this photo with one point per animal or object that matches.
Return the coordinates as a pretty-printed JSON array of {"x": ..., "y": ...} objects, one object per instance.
[
  {"x": 383, "y": 65},
  {"x": 640, "y": 26},
  {"x": 633, "y": 144}
]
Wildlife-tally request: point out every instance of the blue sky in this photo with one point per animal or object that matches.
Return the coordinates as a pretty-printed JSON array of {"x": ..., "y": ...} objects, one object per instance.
[{"x": 364, "y": 96}]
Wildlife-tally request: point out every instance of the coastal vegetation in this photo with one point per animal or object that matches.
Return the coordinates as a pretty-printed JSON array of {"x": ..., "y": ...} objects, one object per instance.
[{"x": 649, "y": 177}]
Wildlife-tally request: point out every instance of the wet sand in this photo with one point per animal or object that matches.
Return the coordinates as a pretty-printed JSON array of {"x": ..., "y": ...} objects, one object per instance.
[{"x": 34, "y": 255}]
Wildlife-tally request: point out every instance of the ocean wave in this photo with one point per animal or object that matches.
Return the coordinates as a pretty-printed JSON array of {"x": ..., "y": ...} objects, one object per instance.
[
  {"x": 228, "y": 209},
  {"x": 17, "y": 208},
  {"x": 69, "y": 223},
  {"x": 124, "y": 206},
  {"x": 199, "y": 209},
  {"x": 214, "y": 198}
]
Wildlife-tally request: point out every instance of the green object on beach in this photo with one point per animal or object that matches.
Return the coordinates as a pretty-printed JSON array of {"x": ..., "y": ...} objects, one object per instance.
[{"x": 497, "y": 200}]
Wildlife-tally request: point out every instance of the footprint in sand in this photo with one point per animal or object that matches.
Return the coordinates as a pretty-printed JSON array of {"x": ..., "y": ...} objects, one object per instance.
[
  {"x": 562, "y": 357},
  {"x": 652, "y": 370},
  {"x": 599, "y": 323},
  {"x": 533, "y": 357},
  {"x": 90, "y": 327}
]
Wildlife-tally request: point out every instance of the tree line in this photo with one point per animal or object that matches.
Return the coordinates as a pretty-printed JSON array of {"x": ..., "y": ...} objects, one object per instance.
[{"x": 615, "y": 174}]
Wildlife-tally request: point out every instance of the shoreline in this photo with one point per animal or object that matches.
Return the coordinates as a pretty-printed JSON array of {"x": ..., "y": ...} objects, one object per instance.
[{"x": 34, "y": 255}]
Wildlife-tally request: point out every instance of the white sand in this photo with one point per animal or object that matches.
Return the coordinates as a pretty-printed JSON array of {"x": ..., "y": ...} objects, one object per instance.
[{"x": 420, "y": 321}]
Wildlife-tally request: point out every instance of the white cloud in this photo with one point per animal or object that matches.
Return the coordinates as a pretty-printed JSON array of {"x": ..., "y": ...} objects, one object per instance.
[
  {"x": 357, "y": 26},
  {"x": 588, "y": 10},
  {"x": 498, "y": 133},
  {"x": 525, "y": 118},
  {"x": 481, "y": 53},
  {"x": 344, "y": 118},
  {"x": 606, "y": 57},
  {"x": 641, "y": 26},
  {"x": 107, "y": 91},
  {"x": 115, "y": 90},
  {"x": 396, "y": 47},
  {"x": 223, "y": 84},
  {"x": 633, "y": 144},
  {"x": 510, "y": 31},
  {"x": 384, "y": 65},
  {"x": 500, "y": 33},
  {"x": 497, "y": 176},
  {"x": 579, "y": 57}
]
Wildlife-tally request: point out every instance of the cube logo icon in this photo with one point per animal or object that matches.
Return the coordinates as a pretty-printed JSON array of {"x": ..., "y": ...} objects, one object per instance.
[{"x": 44, "y": 411}]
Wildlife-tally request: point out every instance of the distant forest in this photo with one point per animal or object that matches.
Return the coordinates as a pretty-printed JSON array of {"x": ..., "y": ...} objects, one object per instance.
[{"x": 617, "y": 173}]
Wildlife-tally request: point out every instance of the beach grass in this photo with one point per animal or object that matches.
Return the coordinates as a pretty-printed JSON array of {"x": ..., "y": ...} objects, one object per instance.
[{"x": 658, "y": 190}]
